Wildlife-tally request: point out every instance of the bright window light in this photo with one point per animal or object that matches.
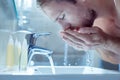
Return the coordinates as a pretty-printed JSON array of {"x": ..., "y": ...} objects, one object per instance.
[
  {"x": 27, "y": 4},
  {"x": 24, "y": 4}
]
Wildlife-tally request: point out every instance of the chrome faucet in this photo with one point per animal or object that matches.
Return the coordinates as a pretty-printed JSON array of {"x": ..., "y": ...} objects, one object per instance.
[{"x": 33, "y": 49}]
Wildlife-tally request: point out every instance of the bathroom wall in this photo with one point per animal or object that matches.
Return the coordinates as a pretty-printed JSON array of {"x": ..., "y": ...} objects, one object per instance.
[{"x": 7, "y": 15}]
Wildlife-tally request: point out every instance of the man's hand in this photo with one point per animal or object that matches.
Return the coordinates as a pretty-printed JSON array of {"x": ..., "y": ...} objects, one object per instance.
[{"x": 85, "y": 38}]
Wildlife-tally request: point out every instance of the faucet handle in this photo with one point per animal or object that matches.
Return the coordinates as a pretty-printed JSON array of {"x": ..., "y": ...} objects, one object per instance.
[
  {"x": 36, "y": 35},
  {"x": 31, "y": 38}
]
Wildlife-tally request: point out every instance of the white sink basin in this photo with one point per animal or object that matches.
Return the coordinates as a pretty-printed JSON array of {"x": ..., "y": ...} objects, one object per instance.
[
  {"x": 62, "y": 73},
  {"x": 68, "y": 70}
]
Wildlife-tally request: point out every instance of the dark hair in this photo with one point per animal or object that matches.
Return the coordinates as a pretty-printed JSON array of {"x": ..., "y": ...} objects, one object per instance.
[{"x": 40, "y": 2}]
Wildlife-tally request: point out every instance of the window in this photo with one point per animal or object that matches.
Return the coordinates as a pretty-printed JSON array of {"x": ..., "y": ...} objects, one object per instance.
[{"x": 23, "y": 4}]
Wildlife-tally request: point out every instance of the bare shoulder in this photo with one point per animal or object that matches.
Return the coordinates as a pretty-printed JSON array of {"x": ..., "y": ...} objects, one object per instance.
[{"x": 108, "y": 25}]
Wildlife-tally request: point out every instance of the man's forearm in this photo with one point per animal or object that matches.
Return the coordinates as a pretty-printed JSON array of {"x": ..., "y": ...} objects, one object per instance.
[
  {"x": 109, "y": 56},
  {"x": 111, "y": 51},
  {"x": 113, "y": 45}
]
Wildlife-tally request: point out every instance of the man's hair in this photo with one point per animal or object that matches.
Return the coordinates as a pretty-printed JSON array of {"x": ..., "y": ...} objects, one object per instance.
[{"x": 40, "y": 2}]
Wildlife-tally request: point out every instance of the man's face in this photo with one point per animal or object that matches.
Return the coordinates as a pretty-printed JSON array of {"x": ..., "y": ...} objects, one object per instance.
[{"x": 69, "y": 14}]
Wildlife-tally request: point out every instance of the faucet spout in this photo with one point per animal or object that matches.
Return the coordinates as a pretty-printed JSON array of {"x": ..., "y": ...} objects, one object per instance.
[
  {"x": 38, "y": 51},
  {"x": 33, "y": 49}
]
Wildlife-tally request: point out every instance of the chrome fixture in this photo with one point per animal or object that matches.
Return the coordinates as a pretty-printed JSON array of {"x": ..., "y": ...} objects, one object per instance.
[{"x": 33, "y": 49}]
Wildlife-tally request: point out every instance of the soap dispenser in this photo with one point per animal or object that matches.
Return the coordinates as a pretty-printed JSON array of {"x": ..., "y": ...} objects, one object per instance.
[{"x": 10, "y": 53}]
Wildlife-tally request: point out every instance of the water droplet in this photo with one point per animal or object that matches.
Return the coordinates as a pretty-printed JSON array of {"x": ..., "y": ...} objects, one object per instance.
[{"x": 32, "y": 63}]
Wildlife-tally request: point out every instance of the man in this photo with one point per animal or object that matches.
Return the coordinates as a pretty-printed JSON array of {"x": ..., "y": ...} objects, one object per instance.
[{"x": 87, "y": 24}]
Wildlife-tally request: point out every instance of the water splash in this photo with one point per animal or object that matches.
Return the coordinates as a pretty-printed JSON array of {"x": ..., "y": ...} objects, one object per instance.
[
  {"x": 89, "y": 60},
  {"x": 65, "y": 54}
]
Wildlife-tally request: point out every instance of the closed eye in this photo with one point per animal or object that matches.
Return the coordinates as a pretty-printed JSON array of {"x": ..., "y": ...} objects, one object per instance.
[{"x": 62, "y": 17}]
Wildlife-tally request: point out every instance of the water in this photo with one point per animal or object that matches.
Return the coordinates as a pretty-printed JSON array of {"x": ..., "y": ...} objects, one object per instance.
[
  {"x": 89, "y": 60},
  {"x": 65, "y": 59},
  {"x": 51, "y": 63},
  {"x": 119, "y": 67},
  {"x": 65, "y": 55}
]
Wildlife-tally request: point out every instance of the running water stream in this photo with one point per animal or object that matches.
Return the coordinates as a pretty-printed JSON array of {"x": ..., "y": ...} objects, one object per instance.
[
  {"x": 89, "y": 59},
  {"x": 51, "y": 63},
  {"x": 65, "y": 54}
]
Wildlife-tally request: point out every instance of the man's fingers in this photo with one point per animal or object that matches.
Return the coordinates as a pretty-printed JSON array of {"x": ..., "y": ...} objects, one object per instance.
[
  {"x": 88, "y": 30},
  {"x": 73, "y": 44},
  {"x": 72, "y": 38}
]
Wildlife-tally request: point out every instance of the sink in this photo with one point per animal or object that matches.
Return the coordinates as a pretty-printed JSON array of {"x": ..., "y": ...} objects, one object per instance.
[
  {"x": 46, "y": 70},
  {"x": 61, "y": 73}
]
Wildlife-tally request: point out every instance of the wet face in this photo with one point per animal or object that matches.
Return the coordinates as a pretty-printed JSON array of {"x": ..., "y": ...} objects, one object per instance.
[{"x": 70, "y": 15}]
